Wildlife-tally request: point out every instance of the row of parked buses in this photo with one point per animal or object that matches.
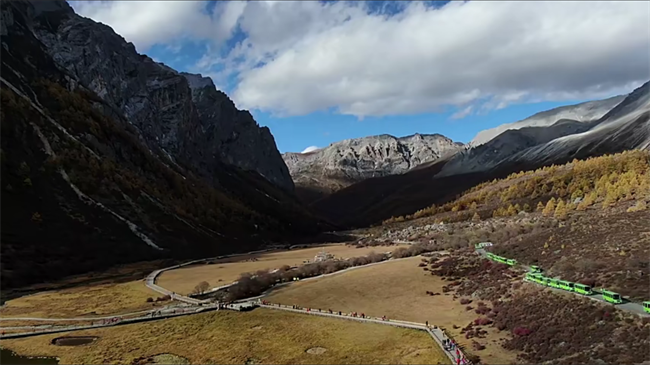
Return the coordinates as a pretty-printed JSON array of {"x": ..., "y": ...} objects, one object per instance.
[
  {"x": 535, "y": 275},
  {"x": 503, "y": 260}
]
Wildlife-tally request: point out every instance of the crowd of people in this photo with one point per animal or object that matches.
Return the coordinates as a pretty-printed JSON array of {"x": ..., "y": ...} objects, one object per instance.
[{"x": 351, "y": 314}]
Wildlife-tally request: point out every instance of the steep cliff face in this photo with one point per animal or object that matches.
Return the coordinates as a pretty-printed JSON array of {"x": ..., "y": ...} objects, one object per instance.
[
  {"x": 235, "y": 138},
  {"x": 347, "y": 162},
  {"x": 184, "y": 114}
]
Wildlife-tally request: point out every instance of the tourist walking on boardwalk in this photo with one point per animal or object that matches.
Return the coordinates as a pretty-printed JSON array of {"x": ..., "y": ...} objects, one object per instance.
[
  {"x": 458, "y": 361},
  {"x": 458, "y": 353},
  {"x": 426, "y": 323}
]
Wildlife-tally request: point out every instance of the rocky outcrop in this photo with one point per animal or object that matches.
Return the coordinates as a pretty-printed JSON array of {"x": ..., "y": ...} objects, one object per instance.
[
  {"x": 346, "y": 162},
  {"x": 184, "y": 114}
]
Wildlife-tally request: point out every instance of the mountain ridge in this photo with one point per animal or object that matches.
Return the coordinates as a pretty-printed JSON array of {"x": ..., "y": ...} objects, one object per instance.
[
  {"x": 345, "y": 162},
  {"x": 581, "y": 112}
]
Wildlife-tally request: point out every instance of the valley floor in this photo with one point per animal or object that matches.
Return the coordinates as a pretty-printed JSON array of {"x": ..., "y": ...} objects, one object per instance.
[
  {"x": 396, "y": 290},
  {"x": 261, "y": 336},
  {"x": 228, "y": 270}
]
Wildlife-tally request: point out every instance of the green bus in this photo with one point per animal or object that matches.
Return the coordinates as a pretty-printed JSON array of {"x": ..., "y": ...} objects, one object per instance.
[
  {"x": 646, "y": 307},
  {"x": 582, "y": 289},
  {"x": 483, "y": 244},
  {"x": 539, "y": 279},
  {"x": 553, "y": 283},
  {"x": 566, "y": 285},
  {"x": 612, "y": 297},
  {"x": 511, "y": 262},
  {"x": 531, "y": 277}
]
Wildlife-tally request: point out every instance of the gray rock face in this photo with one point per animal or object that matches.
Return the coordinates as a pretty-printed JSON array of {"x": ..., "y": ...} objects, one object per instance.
[
  {"x": 237, "y": 139},
  {"x": 184, "y": 114},
  {"x": 349, "y": 161},
  {"x": 583, "y": 112}
]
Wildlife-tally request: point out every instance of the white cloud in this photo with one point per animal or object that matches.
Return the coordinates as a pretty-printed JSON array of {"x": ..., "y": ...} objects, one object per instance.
[
  {"x": 462, "y": 113},
  {"x": 304, "y": 56},
  {"x": 146, "y": 23},
  {"x": 309, "y": 149}
]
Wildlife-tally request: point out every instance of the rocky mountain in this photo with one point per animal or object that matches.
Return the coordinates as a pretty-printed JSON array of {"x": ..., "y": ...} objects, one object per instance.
[
  {"x": 624, "y": 126},
  {"x": 109, "y": 157},
  {"x": 183, "y": 114},
  {"x": 548, "y": 144},
  {"x": 346, "y": 162},
  {"x": 581, "y": 113}
]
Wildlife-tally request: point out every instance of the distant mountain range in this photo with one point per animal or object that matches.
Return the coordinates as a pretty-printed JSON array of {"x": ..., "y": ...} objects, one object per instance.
[
  {"x": 555, "y": 136},
  {"x": 341, "y": 164},
  {"x": 319, "y": 173}
]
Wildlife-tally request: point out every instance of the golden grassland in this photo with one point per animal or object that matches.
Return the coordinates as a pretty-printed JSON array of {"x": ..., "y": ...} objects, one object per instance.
[
  {"x": 261, "y": 336},
  {"x": 96, "y": 300},
  {"x": 397, "y": 290},
  {"x": 228, "y": 270}
]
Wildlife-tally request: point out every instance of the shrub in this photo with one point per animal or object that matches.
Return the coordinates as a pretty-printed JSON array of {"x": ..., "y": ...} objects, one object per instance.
[
  {"x": 201, "y": 287},
  {"x": 149, "y": 300},
  {"x": 521, "y": 331},
  {"x": 465, "y": 301},
  {"x": 36, "y": 217}
]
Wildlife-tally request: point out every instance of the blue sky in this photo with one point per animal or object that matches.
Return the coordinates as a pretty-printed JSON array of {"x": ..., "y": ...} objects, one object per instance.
[
  {"x": 319, "y": 72},
  {"x": 295, "y": 133}
]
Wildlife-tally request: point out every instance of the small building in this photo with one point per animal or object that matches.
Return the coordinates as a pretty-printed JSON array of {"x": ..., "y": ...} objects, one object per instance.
[{"x": 323, "y": 256}]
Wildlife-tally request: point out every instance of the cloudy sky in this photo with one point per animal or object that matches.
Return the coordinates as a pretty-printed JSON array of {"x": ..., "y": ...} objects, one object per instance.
[{"x": 318, "y": 72}]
